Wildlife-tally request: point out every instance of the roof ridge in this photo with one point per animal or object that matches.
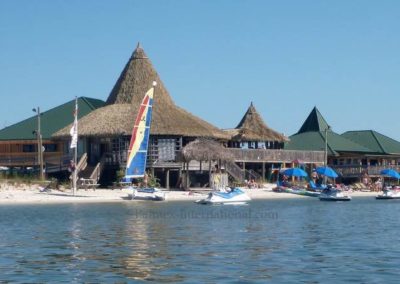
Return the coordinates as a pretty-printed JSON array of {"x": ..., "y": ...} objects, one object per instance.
[
  {"x": 314, "y": 122},
  {"x": 327, "y": 144},
  {"x": 85, "y": 99},
  {"x": 377, "y": 141},
  {"x": 135, "y": 80},
  {"x": 35, "y": 115},
  {"x": 253, "y": 122}
]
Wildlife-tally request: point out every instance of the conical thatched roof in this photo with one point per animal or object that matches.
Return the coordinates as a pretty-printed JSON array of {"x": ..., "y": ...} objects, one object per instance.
[
  {"x": 205, "y": 150},
  {"x": 123, "y": 103},
  {"x": 253, "y": 128}
]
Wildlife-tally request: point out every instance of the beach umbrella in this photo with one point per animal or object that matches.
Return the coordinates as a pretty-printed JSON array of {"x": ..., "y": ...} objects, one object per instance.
[
  {"x": 327, "y": 171},
  {"x": 295, "y": 172},
  {"x": 390, "y": 173}
]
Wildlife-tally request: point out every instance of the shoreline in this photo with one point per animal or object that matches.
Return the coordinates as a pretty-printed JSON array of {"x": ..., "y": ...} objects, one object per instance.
[{"x": 32, "y": 195}]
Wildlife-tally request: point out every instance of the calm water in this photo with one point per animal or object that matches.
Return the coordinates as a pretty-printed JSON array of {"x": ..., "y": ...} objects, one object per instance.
[{"x": 280, "y": 241}]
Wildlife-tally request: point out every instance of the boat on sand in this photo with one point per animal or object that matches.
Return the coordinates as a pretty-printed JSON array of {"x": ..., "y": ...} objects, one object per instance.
[
  {"x": 333, "y": 194},
  {"x": 229, "y": 196}
]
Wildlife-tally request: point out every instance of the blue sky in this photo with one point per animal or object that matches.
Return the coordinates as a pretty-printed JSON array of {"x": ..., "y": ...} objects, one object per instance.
[{"x": 215, "y": 57}]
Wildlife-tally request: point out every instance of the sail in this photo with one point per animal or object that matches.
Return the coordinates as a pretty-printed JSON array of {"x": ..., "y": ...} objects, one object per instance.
[{"x": 137, "y": 152}]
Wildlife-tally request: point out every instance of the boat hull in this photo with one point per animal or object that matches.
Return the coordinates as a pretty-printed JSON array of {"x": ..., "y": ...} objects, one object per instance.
[
  {"x": 236, "y": 196},
  {"x": 347, "y": 198},
  {"x": 334, "y": 196},
  {"x": 388, "y": 194},
  {"x": 306, "y": 193},
  {"x": 381, "y": 197}
]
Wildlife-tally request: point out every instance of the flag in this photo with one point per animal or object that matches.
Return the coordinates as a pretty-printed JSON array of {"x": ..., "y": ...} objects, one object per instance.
[{"x": 74, "y": 128}]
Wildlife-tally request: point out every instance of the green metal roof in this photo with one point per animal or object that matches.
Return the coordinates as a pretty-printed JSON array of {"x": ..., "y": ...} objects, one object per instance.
[
  {"x": 51, "y": 120},
  {"x": 314, "y": 122},
  {"x": 315, "y": 141},
  {"x": 375, "y": 141}
]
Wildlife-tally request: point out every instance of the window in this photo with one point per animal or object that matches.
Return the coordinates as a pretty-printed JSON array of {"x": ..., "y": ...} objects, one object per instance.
[
  {"x": 50, "y": 147},
  {"x": 28, "y": 148},
  {"x": 166, "y": 149}
]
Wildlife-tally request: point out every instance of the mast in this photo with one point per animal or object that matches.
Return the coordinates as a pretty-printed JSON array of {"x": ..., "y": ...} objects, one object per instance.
[
  {"x": 137, "y": 152},
  {"x": 74, "y": 145}
]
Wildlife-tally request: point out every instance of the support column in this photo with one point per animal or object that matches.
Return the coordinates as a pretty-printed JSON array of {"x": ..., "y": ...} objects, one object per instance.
[
  {"x": 209, "y": 173},
  {"x": 167, "y": 180},
  {"x": 292, "y": 166},
  {"x": 187, "y": 175},
  {"x": 263, "y": 172},
  {"x": 184, "y": 178},
  {"x": 180, "y": 180}
]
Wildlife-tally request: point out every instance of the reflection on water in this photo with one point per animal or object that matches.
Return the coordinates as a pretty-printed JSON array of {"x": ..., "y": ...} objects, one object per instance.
[{"x": 282, "y": 241}]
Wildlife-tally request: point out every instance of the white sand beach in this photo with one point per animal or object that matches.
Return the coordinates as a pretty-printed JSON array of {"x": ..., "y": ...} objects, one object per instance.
[{"x": 11, "y": 194}]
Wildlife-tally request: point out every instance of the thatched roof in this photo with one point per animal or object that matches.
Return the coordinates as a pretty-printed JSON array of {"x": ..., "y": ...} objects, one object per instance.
[
  {"x": 205, "y": 150},
  {"x": 253, "y": 128},
  {"x": 123, "y": 103}
]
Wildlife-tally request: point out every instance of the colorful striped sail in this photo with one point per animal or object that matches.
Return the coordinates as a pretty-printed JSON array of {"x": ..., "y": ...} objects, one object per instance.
[{"x": 137, "y": 152}]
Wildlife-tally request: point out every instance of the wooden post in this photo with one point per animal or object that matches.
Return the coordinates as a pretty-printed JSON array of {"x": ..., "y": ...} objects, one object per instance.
[
  {"x": 167, "y": 179},
  {"x": 183, "y": 171},
  {"x": 244, "y": 170},
  {"x": 187, "y": 176},
  {"x": 180, "y": 180},
  {"x": 209, "y": 173},
  {"x": 263, "y": 172},
  {"x": 292, "y": 165}
]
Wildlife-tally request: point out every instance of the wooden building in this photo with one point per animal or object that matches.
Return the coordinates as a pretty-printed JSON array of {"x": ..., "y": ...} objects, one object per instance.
[
  {"x": 259, "y": 150},
  {"x": 19, "y": 142},
  {"x": 353, "y": 153},
  {"x": 106, "y": 131}
]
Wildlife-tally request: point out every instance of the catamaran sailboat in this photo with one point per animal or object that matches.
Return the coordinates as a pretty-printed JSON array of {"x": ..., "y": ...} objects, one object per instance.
[{"x": 137, "y": 152}]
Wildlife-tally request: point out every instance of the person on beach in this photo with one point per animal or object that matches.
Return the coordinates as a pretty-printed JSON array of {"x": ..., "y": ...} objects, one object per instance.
[
  {"x": 314, "y": 176},
  {"x": 252, "y": 184},
  {"x": 285, "y": 181},
  {"x": 378, "y": 184},
  {"x": 366, "y": 180},
  {"x": 145, "y": 180},
  {"x": 71, "y": 170},
  {"x": 71, "y": 166}
]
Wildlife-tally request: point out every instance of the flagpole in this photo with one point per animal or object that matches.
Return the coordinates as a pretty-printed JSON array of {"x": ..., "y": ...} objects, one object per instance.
[{"x": 76, "y": 148}]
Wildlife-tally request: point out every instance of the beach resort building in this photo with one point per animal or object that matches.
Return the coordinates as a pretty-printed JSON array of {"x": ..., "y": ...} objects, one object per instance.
[
  {"x": 351, "y": 154},
  {"x": 184, "y": 150},
  {"x": 252, "y": 146},
  {"x": 106, "y": 131},
  {"x": 259, "y": 150},
  {"x": 19, "y": 143}
]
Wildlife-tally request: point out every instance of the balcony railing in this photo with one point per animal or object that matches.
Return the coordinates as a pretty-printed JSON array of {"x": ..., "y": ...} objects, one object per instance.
[
  {"x": 358, "y": 171},
  {"x": 28, "y": 159},
  {"x": 276, "y": 156}
]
